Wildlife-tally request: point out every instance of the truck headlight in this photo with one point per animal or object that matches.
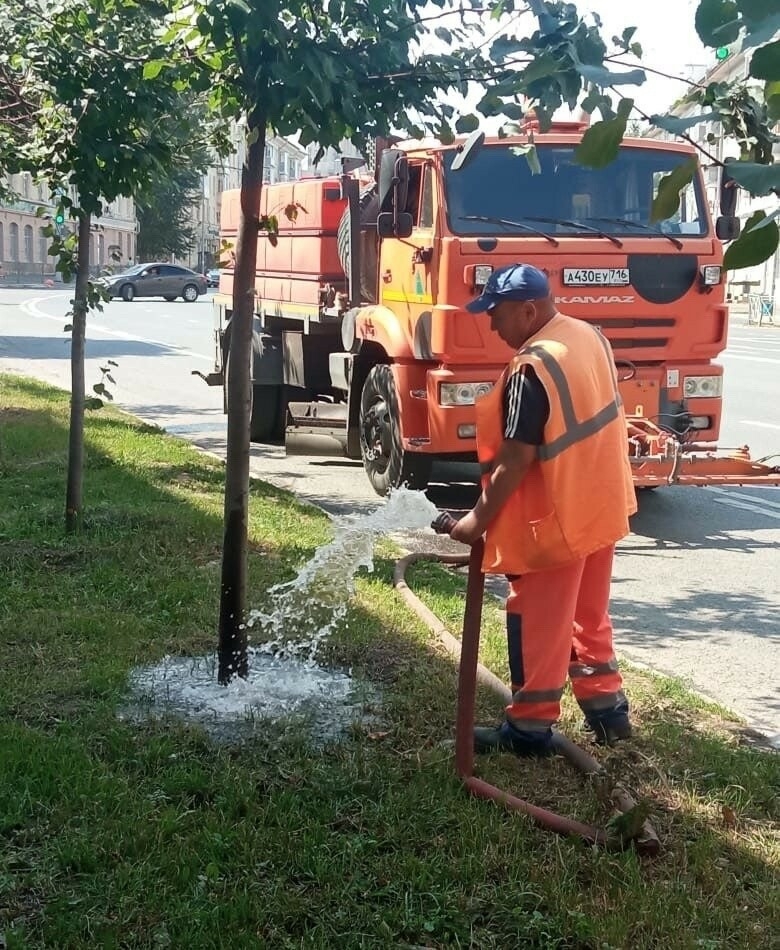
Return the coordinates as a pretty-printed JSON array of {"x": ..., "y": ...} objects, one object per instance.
[
  {"x": 462, "y": 394},
  {"x": 697, "y": 387},
  {"x": 710, "y": 275}
]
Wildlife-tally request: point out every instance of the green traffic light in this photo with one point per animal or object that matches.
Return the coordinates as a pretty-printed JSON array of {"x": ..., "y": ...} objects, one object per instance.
[
  {"x": 721, "y": 53},
  {"x": 60, "y": 219}
]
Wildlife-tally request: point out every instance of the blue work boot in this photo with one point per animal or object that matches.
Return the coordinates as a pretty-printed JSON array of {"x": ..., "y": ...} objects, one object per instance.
[
  {"x": 508, "y": 738},
  {"x": 609, "y": 725}
]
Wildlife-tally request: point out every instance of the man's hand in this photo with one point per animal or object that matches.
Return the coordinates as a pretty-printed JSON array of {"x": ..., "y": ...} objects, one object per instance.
[{"x": 468, "y": 530}]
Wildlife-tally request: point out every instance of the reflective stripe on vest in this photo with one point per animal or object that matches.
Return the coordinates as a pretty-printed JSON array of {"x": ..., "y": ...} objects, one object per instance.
[{"x": 575, "y": 431}]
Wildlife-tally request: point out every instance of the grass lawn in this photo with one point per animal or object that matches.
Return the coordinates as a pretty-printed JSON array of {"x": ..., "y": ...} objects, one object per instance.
[{"x": 118, "y": 835}]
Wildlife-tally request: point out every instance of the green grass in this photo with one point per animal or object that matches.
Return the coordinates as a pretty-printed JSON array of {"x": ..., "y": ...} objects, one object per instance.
[{"x": 113, "y": 835}]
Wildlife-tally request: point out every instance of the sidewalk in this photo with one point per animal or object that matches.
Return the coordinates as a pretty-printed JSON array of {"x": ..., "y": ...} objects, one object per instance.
[{"x": 31, "y": 285}]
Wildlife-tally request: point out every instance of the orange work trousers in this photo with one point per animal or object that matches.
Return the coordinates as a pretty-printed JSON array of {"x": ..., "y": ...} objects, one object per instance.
[{"x": 558, "y": 624}]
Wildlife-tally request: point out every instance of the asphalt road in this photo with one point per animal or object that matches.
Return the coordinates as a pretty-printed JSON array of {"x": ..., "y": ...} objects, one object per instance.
[{"x": 697, "y": 583}]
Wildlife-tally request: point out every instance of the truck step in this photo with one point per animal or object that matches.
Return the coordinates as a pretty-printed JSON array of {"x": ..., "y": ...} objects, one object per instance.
[{"x": 316, "y": 428}]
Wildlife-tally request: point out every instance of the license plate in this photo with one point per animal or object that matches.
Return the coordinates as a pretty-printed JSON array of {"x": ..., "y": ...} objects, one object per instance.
[{"x": 596, "y": 276}]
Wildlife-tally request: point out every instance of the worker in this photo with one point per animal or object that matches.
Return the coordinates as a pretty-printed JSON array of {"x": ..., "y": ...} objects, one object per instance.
[{"x": 557, "y": 494}]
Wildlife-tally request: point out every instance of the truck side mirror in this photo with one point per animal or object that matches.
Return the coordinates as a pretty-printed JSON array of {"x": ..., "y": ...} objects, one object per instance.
[
  {"x": 393, "y": 180},
  {"x": 728, "y": 192},
  {"x": 389, "y": 225},
  {"x": 728, "y": 228}
]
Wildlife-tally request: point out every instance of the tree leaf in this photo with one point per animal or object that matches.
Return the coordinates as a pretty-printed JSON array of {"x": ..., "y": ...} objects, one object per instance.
[
  {"x": 467, "y": 123},
  {"x": 446, "y": 135},
  {"x": 765, "y": 63},
  {"x": 443, "y": 34},
  {"x": 667, "y": 201},
  {"x": 754, "y": 246},
  {"x": 92, "y": 402},
  {"x": 153, "y": 69},
  {"x": 772, "y": 99},
  {"x": 625, "y": 826},
  {"x": 767, "y": 220},
  {"x": 601, "y": 142},
  {"x": 757, "y": 179},
  {"x": 67, "y": 328},
  {"x": 677, "y": 125},
  {"x": 99, "y": 388},
  {"x": 600, "y": 76},
  {"x": 761, "y": 31},
  {"x": 513, "y": 111},
  {"x": 717, "y": 22}
]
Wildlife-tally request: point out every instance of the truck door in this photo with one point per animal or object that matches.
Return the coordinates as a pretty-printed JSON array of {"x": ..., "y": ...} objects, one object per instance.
[{"x": 406, "y": 268}]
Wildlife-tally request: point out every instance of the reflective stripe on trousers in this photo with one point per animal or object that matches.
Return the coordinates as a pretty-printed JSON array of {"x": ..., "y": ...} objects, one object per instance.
[{"x": 557, "y": 624}]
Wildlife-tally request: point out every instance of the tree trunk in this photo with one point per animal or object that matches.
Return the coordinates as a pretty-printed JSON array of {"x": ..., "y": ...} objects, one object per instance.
[
  {"x": 73, "y": 496},
  {"x": 232, "y": 608}
]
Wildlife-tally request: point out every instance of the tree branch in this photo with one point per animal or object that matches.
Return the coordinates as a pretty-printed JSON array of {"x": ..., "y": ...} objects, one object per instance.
[
  {"x": 648, "y": 69},
  {"x": 682, "y": 135}
]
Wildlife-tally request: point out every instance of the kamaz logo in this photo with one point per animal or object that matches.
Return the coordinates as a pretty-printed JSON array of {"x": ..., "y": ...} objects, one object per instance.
[{"x": 604, "y": 299}]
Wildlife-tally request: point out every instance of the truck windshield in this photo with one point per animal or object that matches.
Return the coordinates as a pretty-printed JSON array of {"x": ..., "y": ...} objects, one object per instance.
[{"x": 616, "y": 200}]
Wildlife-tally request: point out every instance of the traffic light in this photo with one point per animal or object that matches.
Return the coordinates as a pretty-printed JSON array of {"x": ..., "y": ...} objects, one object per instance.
[
  {"x": 59, "y": 219},
  {"x": 721, "y": 53}
]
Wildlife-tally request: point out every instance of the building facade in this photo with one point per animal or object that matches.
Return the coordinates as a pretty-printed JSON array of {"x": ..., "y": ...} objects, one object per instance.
[
  {"x": 24, "y": 256},
  {"x": 763, "y": 279},
  {"x": 330, "y": 163}
]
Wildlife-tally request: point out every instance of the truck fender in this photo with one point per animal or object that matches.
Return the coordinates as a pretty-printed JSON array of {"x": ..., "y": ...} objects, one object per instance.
[
  {"x": 378, "y": 324},
  {"x": 267, "y": 363}
]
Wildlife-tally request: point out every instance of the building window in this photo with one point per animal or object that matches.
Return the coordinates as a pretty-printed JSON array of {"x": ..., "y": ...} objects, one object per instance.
[
  {"x": 43, "y": 245},
  {"x": 2, "y": 242},
  {"x": 14, "y": 241},
  {"x": 29, "y": 256}
]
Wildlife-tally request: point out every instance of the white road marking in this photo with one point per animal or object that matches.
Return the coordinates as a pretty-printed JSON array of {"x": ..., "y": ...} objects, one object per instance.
[
  {"x": 733, "y": 503},
  {"x": 30, "y": 307},
  {"x": 753, "y": 499},
  {"x": 761, "y": 425},
  {"x": 747, "y": 359}
]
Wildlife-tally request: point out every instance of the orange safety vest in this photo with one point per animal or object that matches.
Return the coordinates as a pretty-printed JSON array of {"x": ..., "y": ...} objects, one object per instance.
[{"x": 577, "y": 496}]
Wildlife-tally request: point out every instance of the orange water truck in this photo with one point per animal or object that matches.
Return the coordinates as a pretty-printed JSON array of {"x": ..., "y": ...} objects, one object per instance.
[{"x": 362, "y": 347}]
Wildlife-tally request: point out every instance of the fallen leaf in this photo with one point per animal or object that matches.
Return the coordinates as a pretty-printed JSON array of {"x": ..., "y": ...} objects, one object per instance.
[
  {"x": 378, "y": 735},
  {"x": 729, "y": 816}
]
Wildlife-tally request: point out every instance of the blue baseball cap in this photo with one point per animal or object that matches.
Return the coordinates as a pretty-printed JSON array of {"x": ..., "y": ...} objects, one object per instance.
[{"x": 514, "y": 282}]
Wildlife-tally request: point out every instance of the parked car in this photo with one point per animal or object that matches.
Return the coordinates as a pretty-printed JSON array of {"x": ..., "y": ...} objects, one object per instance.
[
  {"x": 168, "y": 281},
  {"x": 212, "y": 277}
]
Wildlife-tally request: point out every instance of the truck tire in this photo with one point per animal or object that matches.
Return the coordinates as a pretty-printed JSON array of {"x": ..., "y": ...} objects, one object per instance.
[
  {"x": 385, "y": 462},
  {"x": 369, "y": 209},
  {"x": 267, "y": 422}
]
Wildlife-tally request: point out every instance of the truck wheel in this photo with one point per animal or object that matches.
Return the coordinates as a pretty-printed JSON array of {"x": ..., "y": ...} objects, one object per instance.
[
  {"x": 267, "y": 424},
  {"x": 385, "y": 462},
  {"x": 369, "y": 209}
]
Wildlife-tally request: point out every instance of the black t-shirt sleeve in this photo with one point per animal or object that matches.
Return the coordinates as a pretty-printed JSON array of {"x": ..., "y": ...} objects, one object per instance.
[{"x": 526, "y": 407}]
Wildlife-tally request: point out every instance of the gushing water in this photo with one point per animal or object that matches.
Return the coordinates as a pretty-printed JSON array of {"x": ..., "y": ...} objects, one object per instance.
[
  {"x": 305, "y": 611},
  {"x": 284, "y": 679}
]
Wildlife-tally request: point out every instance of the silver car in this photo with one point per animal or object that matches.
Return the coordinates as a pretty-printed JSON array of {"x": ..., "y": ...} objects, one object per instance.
[{"x": 168, "y": 281}]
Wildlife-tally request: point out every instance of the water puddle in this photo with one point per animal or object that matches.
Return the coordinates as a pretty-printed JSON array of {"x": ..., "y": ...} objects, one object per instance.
[{"x": 285, "y": 682}]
